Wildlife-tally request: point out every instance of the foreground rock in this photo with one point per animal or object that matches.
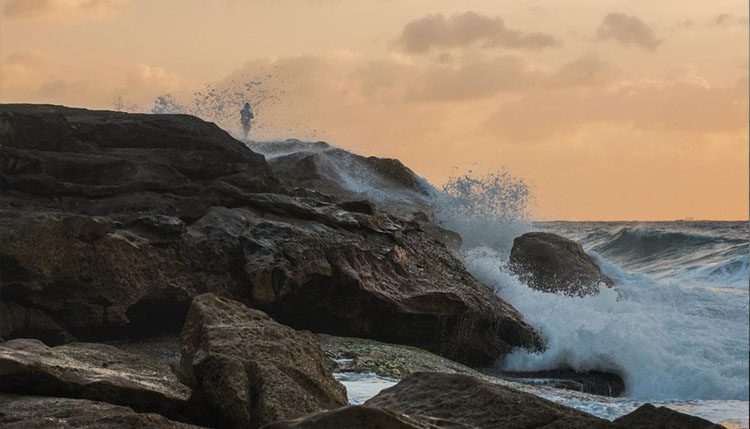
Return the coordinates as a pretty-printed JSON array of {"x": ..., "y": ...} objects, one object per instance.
[
  {"x": 476, "y": 403},
  {"x": 47, "y": 412},
  {"x": 648, "y": 416},
  {"x": 90, "y": 371},
  {"x": 360, "y": 417},
  {"x": 250, "y": 370},
  {"x": 551, "y": 263},
  {"x": 110, "y": 223}
]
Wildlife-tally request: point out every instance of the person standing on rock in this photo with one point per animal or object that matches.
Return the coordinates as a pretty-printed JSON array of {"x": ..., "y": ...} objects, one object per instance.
[{"x": 246, "y": 115}]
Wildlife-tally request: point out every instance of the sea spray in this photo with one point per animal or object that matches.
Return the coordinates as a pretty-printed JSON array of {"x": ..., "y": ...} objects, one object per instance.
[
  {"x": 487, "y": 210},
  {"x": 667, "y": 337}
]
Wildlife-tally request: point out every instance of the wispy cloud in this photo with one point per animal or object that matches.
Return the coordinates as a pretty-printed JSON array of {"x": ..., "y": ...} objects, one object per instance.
[
  {"x": 460, "y": 30},
  {"x": 62, "y": 10},
  {"x": 628, "y": 30}
]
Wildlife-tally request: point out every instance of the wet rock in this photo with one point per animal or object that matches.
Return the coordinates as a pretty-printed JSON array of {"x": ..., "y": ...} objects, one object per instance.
[
  {"x": 477, "y": 403},
  {"x": 360, "y": 417},
  {"x": 594, "y": 382},
  {"x": 347, "y": 176},
  {"x": 90, "y": 371},
  {"x": 552, "y": 263},
  {"x": 386, "y": 360},
  {"x": 42, "y": 412},
  {"x": 648, "y": 416},
  {"x": 250, "y": 370}
]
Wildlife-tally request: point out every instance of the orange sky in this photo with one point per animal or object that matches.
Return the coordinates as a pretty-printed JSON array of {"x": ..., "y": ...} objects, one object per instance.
[{"x": 611, "y": 110}]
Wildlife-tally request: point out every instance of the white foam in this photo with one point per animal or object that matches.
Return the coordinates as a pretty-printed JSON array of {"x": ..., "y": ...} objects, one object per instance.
[{"x": 666, "y": 340}]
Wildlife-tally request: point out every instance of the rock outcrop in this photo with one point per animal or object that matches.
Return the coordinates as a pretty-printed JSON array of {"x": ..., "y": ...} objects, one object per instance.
[
  {"x": 42, "y": 412},
  {"x": 110, "y": 223},
  {"x": 476, "y": 403},
  {"x": 551, "y": 263},
  {"x": 648, "y": 416},
  {"x": 90, "y": 371},
  {"x": 333, "y": 172},
  {"x": 250, "y": 370}
]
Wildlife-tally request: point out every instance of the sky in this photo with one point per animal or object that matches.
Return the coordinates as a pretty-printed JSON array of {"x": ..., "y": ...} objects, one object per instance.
[{"x": 609, "y": 110}]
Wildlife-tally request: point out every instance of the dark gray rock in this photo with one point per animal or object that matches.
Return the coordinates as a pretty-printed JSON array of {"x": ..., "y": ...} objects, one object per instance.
[{"x": 552, "y": 263}]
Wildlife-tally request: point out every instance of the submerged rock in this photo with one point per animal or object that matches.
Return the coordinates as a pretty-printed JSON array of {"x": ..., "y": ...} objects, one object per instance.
[
  {"x": 43, "y": 412},
  {"x": 250, "y": 370},
  {"x": 476, "y": 403},
  {"x": 90, "y": 371},
  {"x": 551, "y": 263},
  {"x": 111, "y": 223}
]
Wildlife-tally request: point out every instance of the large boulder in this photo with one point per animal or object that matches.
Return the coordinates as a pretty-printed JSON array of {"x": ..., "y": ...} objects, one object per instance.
[
  {"x": 476, "y": 403},
  {"x": 648, "y": 416},
  {"x": 91, "y": 371},
  {"x": 250, "y": 370},
  {"x": 41, "y": 412},
  {"x": 551, "y": 263},
  {"x": 111, "y": 223}
]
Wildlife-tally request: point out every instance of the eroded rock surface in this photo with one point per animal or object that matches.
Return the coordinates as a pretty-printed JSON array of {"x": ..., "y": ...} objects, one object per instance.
[
  {"x": 250, "y": 370},
  {"x": 40, "y": 412},
  {"x": 90, "y": 371},
  {"x": 552, "y": 263}
]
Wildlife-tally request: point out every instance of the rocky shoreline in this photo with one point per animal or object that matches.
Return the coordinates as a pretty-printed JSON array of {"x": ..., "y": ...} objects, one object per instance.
[{"x": 120, "y": 233}]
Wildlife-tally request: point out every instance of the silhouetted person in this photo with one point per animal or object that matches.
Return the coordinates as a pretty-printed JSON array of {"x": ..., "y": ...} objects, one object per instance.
[{"x": 246, "y": 115}]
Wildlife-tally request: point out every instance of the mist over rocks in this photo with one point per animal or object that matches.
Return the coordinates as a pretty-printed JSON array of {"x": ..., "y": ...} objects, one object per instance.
[{"x": 551, "y": 263}]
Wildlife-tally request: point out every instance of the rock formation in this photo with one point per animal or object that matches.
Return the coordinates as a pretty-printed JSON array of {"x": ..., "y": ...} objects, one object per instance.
[
  {"x": 551, "y": 263},
  {"x": 110, "y": 223},
  {"x": 250, "y": 370}
]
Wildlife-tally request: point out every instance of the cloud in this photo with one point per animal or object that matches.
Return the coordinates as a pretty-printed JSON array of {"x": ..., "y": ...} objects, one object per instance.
[
  {"x": 683, "y": 105},
  {"x": 728, "y": 20},
  {"x": 460, "y": 30},
  {"x": 628, "y": 30},
  {"x": 62, "y": 10},
  {"x": 474, "y": 79},
  {"x": 23, "y": 70},
  {"x": 587, "y": 70}
]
